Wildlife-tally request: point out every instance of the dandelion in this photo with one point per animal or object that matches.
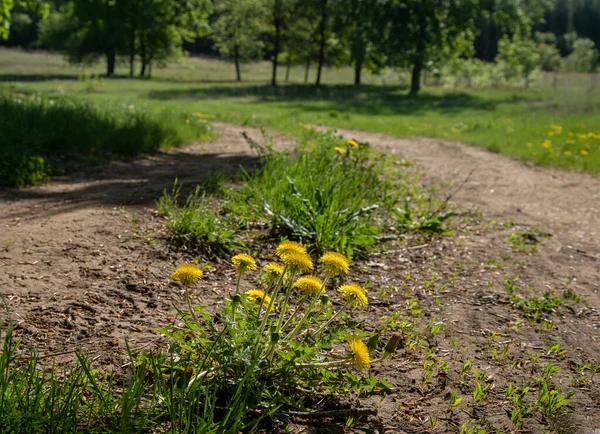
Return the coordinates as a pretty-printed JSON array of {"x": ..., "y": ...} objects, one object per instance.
[
  {"x": 335, "y": 263},
  {"x": 258, "y": 295},
  {"x": 289, "y": 247},
  {"x": 310, "y": 285},
  {"x": 352, "y": 143},
  {"x": 339, "y": 150},
  {"x": 567, "y": 153},
  {"x": 355, "y": 295},
  {"x": 187, "y": 274},
  {"x": 547, "y": 144},
  {"x": 187, "y": 121},
  {"x": 298, "y": 262},
  {"x": 570, "y": 142},
  {"x": 244, "y": 262},
  {"x": 360, "y": 353},
  {"x": 272, "y": 272},
  {"x": 584, "y": 152}
]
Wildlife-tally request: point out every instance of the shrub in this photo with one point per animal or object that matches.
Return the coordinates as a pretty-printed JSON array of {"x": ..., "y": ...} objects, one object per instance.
[{"x": 43, "y": 136}]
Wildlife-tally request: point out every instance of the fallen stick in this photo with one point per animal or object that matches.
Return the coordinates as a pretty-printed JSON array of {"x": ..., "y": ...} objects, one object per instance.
[{"x": 347, "y": 412}]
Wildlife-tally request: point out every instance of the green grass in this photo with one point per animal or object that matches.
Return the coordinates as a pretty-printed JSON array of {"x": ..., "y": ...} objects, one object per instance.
[{"x": 515, "y": 122}]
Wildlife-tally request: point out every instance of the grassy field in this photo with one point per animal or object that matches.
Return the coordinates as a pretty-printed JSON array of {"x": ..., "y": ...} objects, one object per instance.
[{"x": 553, "y": 124}]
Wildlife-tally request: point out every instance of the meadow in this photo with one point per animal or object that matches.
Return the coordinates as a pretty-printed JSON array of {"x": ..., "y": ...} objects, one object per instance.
[{"x": 555, "y": 123}]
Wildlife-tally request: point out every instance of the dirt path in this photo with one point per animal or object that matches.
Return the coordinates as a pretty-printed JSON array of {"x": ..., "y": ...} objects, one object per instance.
[
  {"x": 82, "y": 263},
  {"x": 563, "y": 204}
]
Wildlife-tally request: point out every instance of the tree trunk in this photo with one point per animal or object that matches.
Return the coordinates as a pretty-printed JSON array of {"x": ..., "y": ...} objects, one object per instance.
[
  {"x": 288, "y": 66},
  {"x": 150, "y": 69},
  {"x": 357, "y": 71},
  {"x": 322, "y": 40},
  {"x": 306, "y": 69},
  {"x": 236, "y": 59},
  {"x": 131, "y": 52},
  {"x": 277, "y": 24},
  {"x": 415, "y": 84},
  {"x": 110, "y": 62},
  {"x": 359, "y": 58},
  {"x": 143, "y": 58}
]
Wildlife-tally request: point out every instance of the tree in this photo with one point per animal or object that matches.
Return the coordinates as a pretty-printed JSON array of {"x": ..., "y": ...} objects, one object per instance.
[
  {"x": 6, "y": 7},
  {"x": 425, "y": 32},
  {"x": 361, "y": 23},
  {"x": 238, "y": 30},
  {"x": 583, "y": 58},
  {"x": 518, "y": 57}
]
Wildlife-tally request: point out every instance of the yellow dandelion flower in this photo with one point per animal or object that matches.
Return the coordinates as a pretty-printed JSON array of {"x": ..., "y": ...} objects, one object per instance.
[
  {"x": 584, "y": 152},
  {"x": 244, "y": 262},
  {"x": 187, "y": 274},
  {"x": 289, "y": 247},
  {"x": 258, "y": 295},
  {"x": 298, "y": 261},
  {"x": 339, "y": 150},
  {"x": 354, "y": 294},
  {"x": 570, "y": 142},
  {"x": 352, "y": 143},
  {"x": 335, "y": 263},
  {"x": 547, "y": 144},
  {"x": 309, "y": 284},
  {"x": 187, "y": 121},
  {"x": 567, "y": 153},
  {"x": 273, "y": 271},
  {"x": 360, "y": 353}
]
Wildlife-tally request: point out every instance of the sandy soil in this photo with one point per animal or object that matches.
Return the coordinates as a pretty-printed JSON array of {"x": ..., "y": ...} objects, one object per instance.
[{"x": 83, "y": 264}]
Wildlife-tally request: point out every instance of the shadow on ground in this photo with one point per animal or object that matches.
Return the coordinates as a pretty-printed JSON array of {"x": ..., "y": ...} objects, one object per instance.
[
  {"x": 133, "y": 183},
  {"x": 368, "y": 99}
]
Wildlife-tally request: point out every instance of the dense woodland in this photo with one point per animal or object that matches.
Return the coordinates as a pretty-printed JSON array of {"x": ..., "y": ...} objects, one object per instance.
[{"x": 415, "y": 35}]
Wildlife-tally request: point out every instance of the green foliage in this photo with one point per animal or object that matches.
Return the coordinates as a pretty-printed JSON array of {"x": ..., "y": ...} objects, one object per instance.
[
  {"x": 518, "y": 58},
  {"x": 238, "y": 30},
  {"x": 6, "y": 6},
  {"x": 43, "y": 136},
  {"x": 425, "y": 221},
  {"x": 196, "y": 224},
  {"x": 583, "y": 58},
  {"x": 327, "y": 199},
  {"x": 540, "y": 309}
]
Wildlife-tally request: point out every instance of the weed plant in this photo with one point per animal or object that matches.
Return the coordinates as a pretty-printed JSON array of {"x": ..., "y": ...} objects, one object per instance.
[
  {"x": 279, "y": 348},
  {"x": 40, "y": 137},
  {"x": 327, "y": 195},
  {"x": 196, "y": 225}
]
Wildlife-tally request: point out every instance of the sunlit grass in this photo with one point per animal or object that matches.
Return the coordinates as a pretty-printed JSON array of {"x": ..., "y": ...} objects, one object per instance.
[{"x": 515, "y": 122}]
